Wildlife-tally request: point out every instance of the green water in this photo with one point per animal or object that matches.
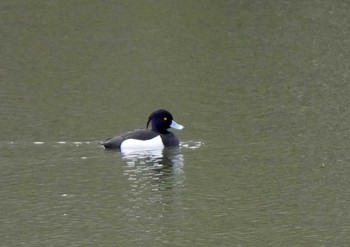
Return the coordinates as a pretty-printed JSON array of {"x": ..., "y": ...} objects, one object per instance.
[{"x": 261, "y": 87}]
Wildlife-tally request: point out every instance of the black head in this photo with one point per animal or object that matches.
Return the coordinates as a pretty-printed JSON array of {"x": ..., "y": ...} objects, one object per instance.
[{"x": 161, "y": 120}]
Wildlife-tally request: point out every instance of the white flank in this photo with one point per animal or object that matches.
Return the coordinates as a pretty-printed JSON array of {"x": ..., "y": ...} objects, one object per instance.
[{"x": 139, "y": 145}]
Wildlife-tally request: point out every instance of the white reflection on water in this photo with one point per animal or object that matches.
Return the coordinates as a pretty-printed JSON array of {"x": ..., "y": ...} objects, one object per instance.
[
  {"x": 156, "y": 169},
  {"x": 156, "y": 182},
  {"x": 162, "y": 161},
  {"x": 154, "y": 198}
]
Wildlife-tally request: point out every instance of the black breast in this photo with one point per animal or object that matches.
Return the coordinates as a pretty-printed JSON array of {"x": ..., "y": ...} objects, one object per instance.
[{"x": 170, "y": 140}]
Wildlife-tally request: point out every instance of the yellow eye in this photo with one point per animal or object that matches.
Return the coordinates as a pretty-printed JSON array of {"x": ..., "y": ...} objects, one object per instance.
[{"x": 165, "y": 118}]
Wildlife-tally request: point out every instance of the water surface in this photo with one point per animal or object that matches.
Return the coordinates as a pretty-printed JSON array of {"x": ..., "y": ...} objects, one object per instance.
[{"x": 261, "y": 88}]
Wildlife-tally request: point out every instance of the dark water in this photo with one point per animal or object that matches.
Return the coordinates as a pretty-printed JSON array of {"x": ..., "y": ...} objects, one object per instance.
[{"x": 262, "y": 90}]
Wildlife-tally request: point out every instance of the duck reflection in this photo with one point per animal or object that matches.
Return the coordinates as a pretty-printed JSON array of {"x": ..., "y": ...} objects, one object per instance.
[
  {"x": 155, "y": 165},
  {"x": 155, "y": 182},
  {"x": 155, "y": 189}
]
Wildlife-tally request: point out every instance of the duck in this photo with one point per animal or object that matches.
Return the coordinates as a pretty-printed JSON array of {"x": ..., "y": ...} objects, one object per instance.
[{"x": 154, "y": 138}]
